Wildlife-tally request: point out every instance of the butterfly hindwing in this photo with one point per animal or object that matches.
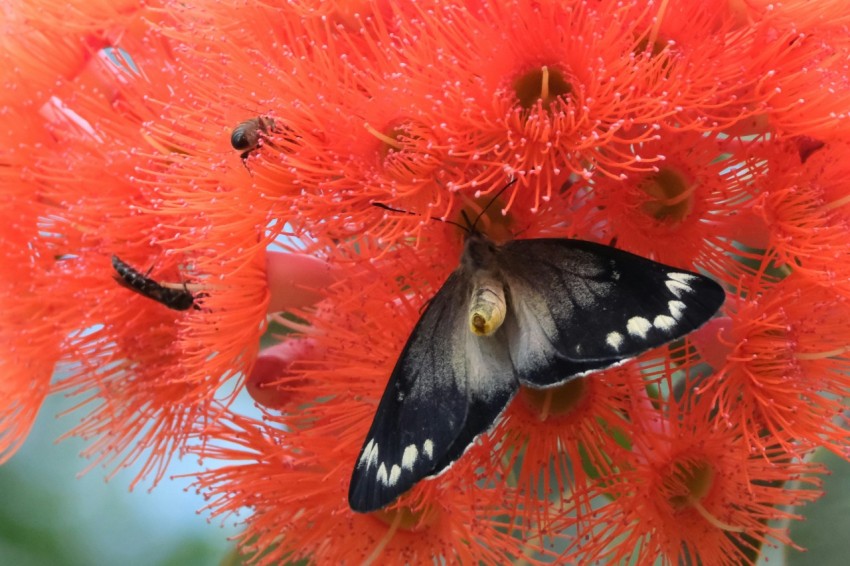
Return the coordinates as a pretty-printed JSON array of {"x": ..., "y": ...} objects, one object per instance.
[
  {"x": 580, "y": 306},
  {"x": 442, "y": 372},
  {"x": 491, "y": 384}
]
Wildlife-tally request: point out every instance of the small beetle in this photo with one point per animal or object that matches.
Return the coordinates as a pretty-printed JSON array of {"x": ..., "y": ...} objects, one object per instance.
[{"x": 177, "y": 299}]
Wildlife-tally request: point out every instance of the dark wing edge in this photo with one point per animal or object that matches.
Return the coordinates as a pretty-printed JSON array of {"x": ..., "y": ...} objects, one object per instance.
[
  {"x": 581, "y": 307},
  {"x": 422, "y": 424},
  {"x": 423, "y": 406}
]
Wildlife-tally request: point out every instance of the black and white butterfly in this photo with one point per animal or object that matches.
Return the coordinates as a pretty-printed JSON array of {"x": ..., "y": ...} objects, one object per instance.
[
  {"x": 536, "y": 313},
  {"x": 177, "y": 299}
]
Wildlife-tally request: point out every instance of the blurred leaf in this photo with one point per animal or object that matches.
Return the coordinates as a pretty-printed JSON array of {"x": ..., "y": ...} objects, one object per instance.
[
  {"x": 26, "y": 539},
  {"x": 827, "y": 521},
  {"x": 193, "y": 551},
  {"x": 49, "y": 517}
]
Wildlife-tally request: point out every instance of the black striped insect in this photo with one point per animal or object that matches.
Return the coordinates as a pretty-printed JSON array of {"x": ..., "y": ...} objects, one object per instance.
[
  {"x": 177, "y": 299},
  {"x": 535, "y": 313}
]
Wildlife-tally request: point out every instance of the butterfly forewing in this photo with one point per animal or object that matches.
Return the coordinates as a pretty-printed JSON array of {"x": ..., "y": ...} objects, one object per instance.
[
  {"x": 422, "y": 424},
  {"x": 580, "y": 306},
  {"x": 422, "y": 409}
]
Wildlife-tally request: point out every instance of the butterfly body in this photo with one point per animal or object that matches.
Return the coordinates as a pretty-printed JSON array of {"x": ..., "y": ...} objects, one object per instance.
[
  {"x": 176, "y": 299},
  {"x": 536, "y": 313}
]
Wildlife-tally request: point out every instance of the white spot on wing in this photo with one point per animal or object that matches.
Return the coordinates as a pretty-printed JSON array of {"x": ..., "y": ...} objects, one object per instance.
[
  {"x": 615, "y": 340},
  {"x": 638, "y": 326},
  {"x": 428, "y": 449},
  {"x": 395, "y": 473},
  {"x": 365, "y": 456},
  {"x": 664, "y": 322},
  {"x": 676, "y": 308},
  {"x": 370, "y": 454},
  {"x": 681, "y": 277},
  {"x": 409, "y": 457},
  {"x": 382, "y": 474},
  {"x": 677, "y": 287}
]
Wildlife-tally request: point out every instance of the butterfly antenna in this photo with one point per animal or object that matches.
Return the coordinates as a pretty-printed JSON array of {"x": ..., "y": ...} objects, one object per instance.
[
  {"x": 497, "y": 195},
  {"x": 470, "y": 226},
  {"x": 391, "y": 209}
]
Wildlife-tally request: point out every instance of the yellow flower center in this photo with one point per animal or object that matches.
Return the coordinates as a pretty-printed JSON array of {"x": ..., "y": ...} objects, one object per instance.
[
  {"x": 671, "y": 196},
  {"x": 400, "y": 518},
  {"x": 391, "y": 140},
  {"x": 542, "y": 84},
  {"x": 688, "y": 482},
  {"x": 406, "y": 518},
  {"x": 657, "y": 46},
  {"x": 555, "y": 401}
]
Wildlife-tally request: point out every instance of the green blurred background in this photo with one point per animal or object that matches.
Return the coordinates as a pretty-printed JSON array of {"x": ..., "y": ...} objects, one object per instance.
[{"x": 50, "y": 517}]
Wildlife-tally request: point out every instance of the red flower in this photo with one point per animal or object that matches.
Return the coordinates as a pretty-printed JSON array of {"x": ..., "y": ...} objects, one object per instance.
[
  {"x": 692, "y": 489},
  {"x": 709, "y": 136},
  {"x": 562, "y": 440},
  {"x": 801, "y": 212},
  {"x": 786, "y": 370},
  {"x": 681, "y": 211}
]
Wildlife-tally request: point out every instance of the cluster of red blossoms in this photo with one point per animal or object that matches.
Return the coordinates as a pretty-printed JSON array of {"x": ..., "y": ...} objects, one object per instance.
[{"x": 709, "y": 135}]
